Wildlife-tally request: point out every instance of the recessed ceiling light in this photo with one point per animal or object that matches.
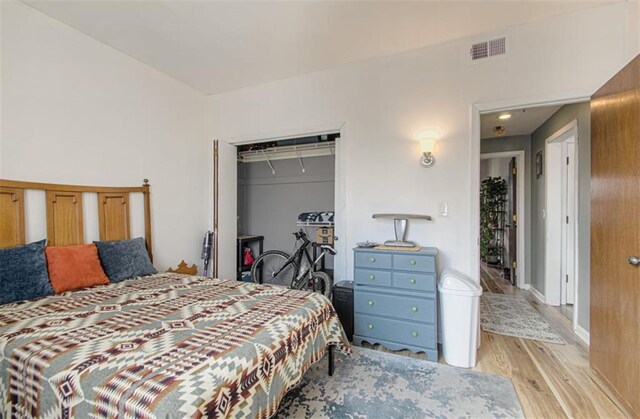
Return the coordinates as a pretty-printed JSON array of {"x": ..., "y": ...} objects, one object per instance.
[{"x": 504, "y": 116}]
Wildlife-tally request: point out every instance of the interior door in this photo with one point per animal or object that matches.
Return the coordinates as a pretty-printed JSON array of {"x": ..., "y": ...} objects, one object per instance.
[
  {"x": 513, "y": 219},
  {"x": 225, "y": 209},
  {"x": 615, "y": 234},
  {"x": 569, "y": 247}
]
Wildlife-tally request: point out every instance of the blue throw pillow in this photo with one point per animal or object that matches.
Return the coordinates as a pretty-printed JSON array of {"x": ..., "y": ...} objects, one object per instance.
[
  {"x": 23, "y": 273},
  {"x": 122, "y": 259}
]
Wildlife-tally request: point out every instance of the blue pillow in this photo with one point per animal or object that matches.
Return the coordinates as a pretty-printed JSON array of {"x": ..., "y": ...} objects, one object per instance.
[
  {"x": 122, "y": 259},
  {"x": 23, "y": 273}
]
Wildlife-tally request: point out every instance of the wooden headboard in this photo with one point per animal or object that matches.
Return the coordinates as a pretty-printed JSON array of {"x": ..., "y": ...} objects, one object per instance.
[{"x": 64, "y": 212}]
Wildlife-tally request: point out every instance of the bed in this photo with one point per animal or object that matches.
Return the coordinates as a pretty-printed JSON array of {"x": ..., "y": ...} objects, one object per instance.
[{"x": 165, "y": 345}]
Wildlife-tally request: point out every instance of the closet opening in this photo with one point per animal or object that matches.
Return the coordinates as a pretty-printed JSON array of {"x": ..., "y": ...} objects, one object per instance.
[{"x": 284, "y": 187}]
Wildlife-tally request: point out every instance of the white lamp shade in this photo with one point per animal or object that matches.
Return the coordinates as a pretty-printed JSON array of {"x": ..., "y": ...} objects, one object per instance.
[
  {"x": 427, "y": 144},
  {"x": 428, "y": 139}
]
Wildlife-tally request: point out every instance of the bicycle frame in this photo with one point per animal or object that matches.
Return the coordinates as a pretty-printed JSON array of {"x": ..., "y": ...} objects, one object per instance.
[{"x": 297, "y": 256}]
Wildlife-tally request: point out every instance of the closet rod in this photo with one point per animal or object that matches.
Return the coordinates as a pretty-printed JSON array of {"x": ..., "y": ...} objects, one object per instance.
[{"x": 288, "y": 152}]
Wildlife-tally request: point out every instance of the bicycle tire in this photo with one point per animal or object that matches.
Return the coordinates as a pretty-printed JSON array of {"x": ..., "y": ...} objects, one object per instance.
[
  {"x": 275, "y": 259},
  {"x": 322, "y": 283}
]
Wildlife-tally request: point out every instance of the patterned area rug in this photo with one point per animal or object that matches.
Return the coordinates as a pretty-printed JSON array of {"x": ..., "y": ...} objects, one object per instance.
[
  {"x": 374, "y": 384},
  {"x": 512, "y": 315}
]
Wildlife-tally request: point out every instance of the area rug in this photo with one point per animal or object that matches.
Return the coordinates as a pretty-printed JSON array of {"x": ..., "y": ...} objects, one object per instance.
[
  {"x": 374, "y": 384},
  {"x": 512, "y": 315}
]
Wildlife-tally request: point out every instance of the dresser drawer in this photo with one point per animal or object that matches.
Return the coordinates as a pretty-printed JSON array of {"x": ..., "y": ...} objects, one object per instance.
[
  {"x": 372, "y": 277},
  {"x": 373, "y": 260},
  {"x": 402, "y": 307},
  {"x": 418, "y": 263},
  {"x": 416, "y": 334},
  {"x": 411, "y": 281}
]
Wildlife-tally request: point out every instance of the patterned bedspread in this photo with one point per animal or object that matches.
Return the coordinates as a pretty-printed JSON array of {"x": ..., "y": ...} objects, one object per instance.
[{"x": 164, "y": 346}]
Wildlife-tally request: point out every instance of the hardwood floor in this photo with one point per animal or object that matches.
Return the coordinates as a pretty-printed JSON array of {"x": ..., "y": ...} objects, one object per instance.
[{"x": 551, "y": 381}]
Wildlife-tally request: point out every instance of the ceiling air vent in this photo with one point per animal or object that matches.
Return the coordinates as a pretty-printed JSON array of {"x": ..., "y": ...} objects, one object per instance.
[
  {"x": 497, "y": 47},
  {"x": 479, "y": 50},
  {"x": 486, "y": 49}
]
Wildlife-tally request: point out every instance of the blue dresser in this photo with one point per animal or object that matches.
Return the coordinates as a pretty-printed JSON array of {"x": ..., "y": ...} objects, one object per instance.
[{"x": 395, "y": 299}]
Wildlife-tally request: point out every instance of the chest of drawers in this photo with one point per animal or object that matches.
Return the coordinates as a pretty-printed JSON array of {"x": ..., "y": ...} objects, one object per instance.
[{"x": 395, "y": 299}]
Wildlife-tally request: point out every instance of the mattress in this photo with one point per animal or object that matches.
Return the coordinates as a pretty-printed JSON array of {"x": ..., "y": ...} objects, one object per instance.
[{"x": 167, "y": 345}]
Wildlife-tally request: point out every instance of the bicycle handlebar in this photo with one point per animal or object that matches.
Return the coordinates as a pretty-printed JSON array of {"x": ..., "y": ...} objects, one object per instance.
[{"x": 300, "y": 234}]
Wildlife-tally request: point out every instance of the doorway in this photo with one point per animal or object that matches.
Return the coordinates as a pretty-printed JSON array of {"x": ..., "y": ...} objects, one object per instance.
[
  {"x": 224, "y": 205},
  {"x": 561, "y": 166},
  {"x": 510, "y": 166},
  {"x": 555, "y": 220},
  {"x": 285, "y": 186}
]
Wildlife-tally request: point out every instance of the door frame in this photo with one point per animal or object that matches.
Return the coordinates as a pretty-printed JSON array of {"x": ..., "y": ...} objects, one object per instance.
[
  {"x": 522, "y": 167},
  {"x": 475, "y": 110},
  {"x": 555, "y": 228},
  {"x": 340, "y": 191}
]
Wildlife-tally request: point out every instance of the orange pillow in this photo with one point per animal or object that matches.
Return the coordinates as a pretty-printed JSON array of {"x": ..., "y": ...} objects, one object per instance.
[{"x": 73, "y": 267}]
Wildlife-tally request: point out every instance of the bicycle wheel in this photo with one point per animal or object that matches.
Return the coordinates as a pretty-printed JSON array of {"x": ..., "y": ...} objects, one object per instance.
[
  {"x": 322, "y": 283},
  {"x": 267, "y": 264}
]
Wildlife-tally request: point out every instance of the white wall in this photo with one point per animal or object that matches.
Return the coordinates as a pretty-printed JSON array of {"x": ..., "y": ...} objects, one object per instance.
[
  {"x": 385, "y": 101},
  {"x": 77, "y": 111},
  {"x": 498, "y": 167}
]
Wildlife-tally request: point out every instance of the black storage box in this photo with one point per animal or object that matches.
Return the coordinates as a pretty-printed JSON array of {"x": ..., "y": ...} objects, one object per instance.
[{"x": 343, "y": 304}]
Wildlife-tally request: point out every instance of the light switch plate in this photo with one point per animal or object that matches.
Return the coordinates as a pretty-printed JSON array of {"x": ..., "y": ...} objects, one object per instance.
[{"x": 444, "y": 209}]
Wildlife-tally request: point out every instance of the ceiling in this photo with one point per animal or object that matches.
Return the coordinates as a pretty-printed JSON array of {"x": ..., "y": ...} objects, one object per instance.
[
  {"x": 522, "y": 121},
  {"x": 218, "y": 46}
]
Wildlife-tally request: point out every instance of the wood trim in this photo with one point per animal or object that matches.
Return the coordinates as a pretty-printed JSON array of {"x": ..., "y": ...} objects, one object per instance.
[
  {"x": 216, "y": 204},
  {"x": 12, "y": 231},
  {"x": 68, "y": 188},
  {"x": 64, "y": 218},
  {"x": 185, "y": 269},
  {"x": 147, "y": 217},
  {"x": 113, "y": 215}
]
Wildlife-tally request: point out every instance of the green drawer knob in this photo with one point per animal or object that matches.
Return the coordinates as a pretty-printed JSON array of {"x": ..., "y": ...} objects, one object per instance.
[
  {"x": 413, "y": 281},
  {"x": 414, "y": 334},
  {"x": 372, "y": 277},
  {"x": 370, "y": 326},
  {"x": 370, "y": 302},
  {"x": 372, "y": 259},
  {"x": 413, "y": 262},
  {"x": 414, "y": 309}
]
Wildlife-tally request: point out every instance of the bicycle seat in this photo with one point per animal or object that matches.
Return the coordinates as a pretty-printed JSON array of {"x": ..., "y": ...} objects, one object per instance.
[{"x": 328, "y": 249}]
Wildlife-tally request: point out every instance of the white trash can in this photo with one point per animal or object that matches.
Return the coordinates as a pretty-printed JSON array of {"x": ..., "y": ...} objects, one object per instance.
[{"x": 460, "y": 316}]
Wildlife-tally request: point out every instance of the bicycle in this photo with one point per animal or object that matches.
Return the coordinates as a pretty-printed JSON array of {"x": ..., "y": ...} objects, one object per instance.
[{"x": 279, "y": 268}]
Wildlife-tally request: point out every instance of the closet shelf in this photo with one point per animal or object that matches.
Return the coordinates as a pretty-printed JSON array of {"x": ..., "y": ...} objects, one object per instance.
[{"x": 288, "y": 152}]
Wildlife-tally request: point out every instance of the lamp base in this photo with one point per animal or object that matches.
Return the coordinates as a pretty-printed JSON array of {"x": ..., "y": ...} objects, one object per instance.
[
  {"x": 427, "y": 160},
  {"x": 396, "y": 243}
]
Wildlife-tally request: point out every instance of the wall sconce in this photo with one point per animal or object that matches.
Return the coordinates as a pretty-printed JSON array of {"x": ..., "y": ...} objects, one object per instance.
[{"x": 428, "y": 140}]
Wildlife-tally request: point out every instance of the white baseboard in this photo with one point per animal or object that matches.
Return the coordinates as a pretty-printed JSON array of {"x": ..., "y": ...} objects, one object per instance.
[
  {"x": 582, "y": 334},
  {"x": 535, "y": 293}
]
